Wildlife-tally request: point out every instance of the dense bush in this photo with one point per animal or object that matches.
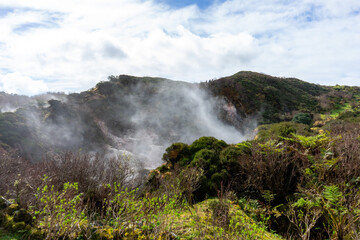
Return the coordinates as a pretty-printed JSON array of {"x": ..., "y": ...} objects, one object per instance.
[
  {"x": 177, "y": 152},
  {"x": 248, "y": 168},
  {"x": 209, "y": 154},
  {"x": 210, "y": 143},
  {"x": 304, "y": 118}
]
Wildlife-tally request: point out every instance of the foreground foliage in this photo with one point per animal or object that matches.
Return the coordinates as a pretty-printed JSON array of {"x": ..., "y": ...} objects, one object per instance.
[
  {"x": 126, "y": 215},
  {"x": 298, "y": 179},
  {"x": 304, "y": 183}
]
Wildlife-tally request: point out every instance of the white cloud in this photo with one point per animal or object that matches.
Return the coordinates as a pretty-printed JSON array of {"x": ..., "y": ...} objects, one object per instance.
[
  {"x": 20, "y": 84},
  {"x": 76, "y": 45}
]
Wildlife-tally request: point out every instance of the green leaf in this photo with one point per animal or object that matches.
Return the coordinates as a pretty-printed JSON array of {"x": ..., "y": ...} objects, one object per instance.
[{"x": 332, "y": 194}]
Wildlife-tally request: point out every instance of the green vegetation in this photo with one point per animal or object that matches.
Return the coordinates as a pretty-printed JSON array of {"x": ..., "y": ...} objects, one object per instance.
[
  {"x": 128, "y": 215},
  {"x": 304, "y": 118},
  {"x": 341, "y": 100},
  {"x": 297, "y": 182},
  {"x": 274, "y": 97},
  {"x": 12, "y": 129},
  {"x": 119, "y": 207},
  {"x": 214, "y": 157},
  {"x": 281, "y": 130},
  {"x": 297, "y": 179},
  {"x": 219, "y": 219},
  {"x": 339, "y": 109},
  {"x": 4, "y": 235}
]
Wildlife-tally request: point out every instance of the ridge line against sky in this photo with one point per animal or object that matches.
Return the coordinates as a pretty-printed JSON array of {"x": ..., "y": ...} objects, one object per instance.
[{"x": 48, "y": 45}]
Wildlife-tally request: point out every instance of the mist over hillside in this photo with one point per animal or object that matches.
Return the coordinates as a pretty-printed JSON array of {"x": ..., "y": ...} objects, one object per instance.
[
  {"x": 138, "y": 117},
  {"x": 141, "y": 116}
]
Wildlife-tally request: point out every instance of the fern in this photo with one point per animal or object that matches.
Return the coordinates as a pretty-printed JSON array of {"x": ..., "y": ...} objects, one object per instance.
[
  {"x": 332, "y": 194},
  {"x": 311, "y": 142}
]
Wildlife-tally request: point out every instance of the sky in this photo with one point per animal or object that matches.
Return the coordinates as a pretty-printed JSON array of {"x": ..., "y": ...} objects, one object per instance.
[{"x": 70, "y": 45}]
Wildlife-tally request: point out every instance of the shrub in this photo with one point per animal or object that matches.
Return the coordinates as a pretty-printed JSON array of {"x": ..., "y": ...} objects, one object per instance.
[
  {"x": 229, "y": 157},
  {"x": 350, "y": 116},
  {"x": 133, "y": 216},
  {"x": 220, "y": 212},
  {"x": 244, "y": 147},
  {"x": 90, "y": 172},
  {"x": 271, "y": 166},
  {"x": 204, "y": 158},
  {"x": 16, "y": 177},
  {"x": 60, "y": 213},
  {"x": 278, "y": 131},
  {"x": 210, "y": 143},
  {"x": 177, "y": 152},
  {"x": 304, "y": 118}
]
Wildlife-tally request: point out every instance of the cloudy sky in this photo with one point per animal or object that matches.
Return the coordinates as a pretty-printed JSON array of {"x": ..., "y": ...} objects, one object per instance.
[{"x": 70, "y": 45}]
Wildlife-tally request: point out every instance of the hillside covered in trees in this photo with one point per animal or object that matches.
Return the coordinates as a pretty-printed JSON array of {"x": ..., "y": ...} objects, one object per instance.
[{"x": 249, "y": 156}]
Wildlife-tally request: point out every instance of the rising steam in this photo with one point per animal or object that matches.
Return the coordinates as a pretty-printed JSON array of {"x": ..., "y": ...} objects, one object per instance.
[
  {"x": 180, "y": 113},
  {"x": 138, "y": 119}
]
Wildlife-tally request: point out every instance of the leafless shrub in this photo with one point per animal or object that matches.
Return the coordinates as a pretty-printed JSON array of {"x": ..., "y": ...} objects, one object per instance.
[
  {"x": 276, "y": 168},
  {"x": 220, "y": 212},
  {"x": 221, "y": 207},
  {"x": 92, "y": 173},
  {"x": 20, "y": 179},
  {"x": 325, "y": 102},
  {"x": 14, "y": 175},
  {"x": 345, "y": 153},
  {"x": 181, "y": 182}
]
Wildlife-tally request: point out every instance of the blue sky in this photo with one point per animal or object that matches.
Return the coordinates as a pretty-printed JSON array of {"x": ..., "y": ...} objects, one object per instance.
[
  {"x": 48, "y": 45},
  {"x": 202, "y": 4}
]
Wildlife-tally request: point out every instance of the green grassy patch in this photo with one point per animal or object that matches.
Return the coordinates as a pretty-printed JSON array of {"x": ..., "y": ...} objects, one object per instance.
[
  {"x": 4, "y": 235},
  {"x": 336, "y": 111},
  {"x": 198, "y": 222},
  {"x": 339, "y": 109}
]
